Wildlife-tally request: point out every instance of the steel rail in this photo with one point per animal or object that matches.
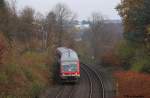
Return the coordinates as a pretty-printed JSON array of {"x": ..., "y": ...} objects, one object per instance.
[
  {"x": 90, "y": 81},
  {"x": 61, "y": 90},
  {"x": 99, "y": 77}
]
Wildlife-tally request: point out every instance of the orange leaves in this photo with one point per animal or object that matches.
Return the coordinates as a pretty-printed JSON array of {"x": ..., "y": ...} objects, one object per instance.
[{"x": 132, "y": 84}]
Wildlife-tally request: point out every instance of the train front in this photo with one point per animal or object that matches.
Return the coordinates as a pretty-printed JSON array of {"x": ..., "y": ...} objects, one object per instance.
[{"x": 70, "y": 69}]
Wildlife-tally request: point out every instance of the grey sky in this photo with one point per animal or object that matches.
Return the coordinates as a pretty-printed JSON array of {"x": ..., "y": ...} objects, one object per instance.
[{"x": 83, "y": 8}]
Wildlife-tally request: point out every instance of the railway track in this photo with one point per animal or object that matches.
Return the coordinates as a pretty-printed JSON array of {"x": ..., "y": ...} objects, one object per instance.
[
  {"x": 96, "y": 79},
  {"x": 66, "y": 91},
  {"x": 90, "y": 82},
  {"x": 94, "y": 88}
]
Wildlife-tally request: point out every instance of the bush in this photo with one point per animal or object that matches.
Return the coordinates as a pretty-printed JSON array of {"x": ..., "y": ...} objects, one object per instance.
[
  {"x": 139, "y": 64},
  {"x": 110, "y": 58},
  {"x": 146, "y": 69},
  {"x": 126, "y": 52},
  {"x": 134, "y": 57},
  {"x": 140, "y": 59}
]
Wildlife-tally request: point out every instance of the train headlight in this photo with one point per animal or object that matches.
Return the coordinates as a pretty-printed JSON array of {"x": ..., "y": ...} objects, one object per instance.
[{"x": 76, "y": 73}]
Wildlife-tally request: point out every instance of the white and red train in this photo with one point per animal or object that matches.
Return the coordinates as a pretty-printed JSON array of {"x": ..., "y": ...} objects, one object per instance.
[{"x": 69, "y": 66}]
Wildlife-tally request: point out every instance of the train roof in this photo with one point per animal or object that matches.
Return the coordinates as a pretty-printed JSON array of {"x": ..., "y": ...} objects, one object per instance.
[{"x": 67, "y": 54}]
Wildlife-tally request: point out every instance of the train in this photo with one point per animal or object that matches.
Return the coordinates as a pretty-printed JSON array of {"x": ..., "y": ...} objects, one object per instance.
[{"x": 68, "y": 65}]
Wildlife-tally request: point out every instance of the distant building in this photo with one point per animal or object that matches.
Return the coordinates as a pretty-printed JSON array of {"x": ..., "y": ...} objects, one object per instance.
[{"x": 82, "y": 25}]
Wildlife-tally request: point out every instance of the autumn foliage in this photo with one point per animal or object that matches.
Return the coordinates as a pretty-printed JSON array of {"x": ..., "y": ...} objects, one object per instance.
[
  {"x": 110, "y": 58},
  {"x": 132, "y": 85},
  {"x": 135, "y": 17}
]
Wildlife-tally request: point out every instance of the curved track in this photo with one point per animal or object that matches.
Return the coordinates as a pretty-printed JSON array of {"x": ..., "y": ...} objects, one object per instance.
[
  {"x": 65, "y": 92},
  {"x": 79, "y": 90},
  {"x": 90, "y": 86},
  {"x": 90, "y": 83},
  {"x": 98, "y": 90}
]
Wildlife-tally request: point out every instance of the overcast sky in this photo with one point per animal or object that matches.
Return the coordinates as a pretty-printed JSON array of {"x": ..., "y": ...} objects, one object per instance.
[{"x": 83, "y": 8}]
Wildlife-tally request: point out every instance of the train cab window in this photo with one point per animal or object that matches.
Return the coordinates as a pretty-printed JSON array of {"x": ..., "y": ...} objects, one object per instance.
[{"x": 72, "y": 67}]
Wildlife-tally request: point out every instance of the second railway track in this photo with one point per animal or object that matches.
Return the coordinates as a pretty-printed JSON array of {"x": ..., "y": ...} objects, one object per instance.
[{"x": 97, "y": 90}]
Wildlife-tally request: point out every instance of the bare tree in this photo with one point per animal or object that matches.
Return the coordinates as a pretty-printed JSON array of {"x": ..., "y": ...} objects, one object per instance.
[
  {"x": 8, "y": 19},
  {"x": 3, "y": 15},
  {"x": 63, "y": 17},
  {"x": 50, "y": 28},
  {"x": 26, "y": 25},
  {"x": 102, "y": 34},
  {"x": 96, "y": 33},
  {"x": 4, "y": 18}
]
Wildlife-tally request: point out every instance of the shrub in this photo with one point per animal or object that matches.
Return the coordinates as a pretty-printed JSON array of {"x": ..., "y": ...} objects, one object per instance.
[
  {"x": 126, "y": 52},
  {"x": 134, "y": 57},
  {"x": 146, "y": 69},
  {"x": 139, "y": 64},
  {"x": 141, "y": 60},
  {"x": 110, "y": 58}
]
